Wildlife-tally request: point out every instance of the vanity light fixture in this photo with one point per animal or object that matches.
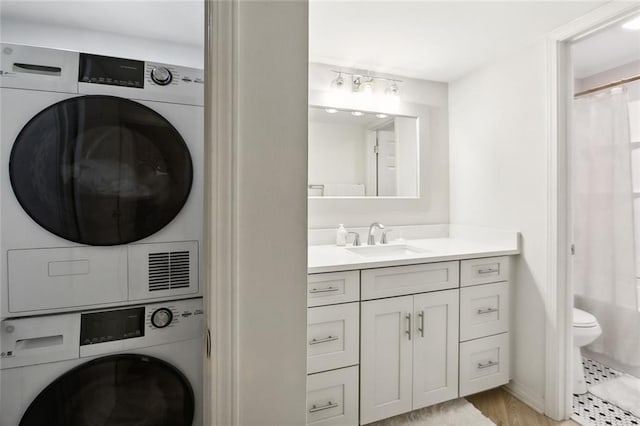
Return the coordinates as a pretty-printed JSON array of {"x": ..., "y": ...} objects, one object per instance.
[
  {"x": 633, "y": 24},
  {"x": 380, "y": 115},
  {"x": 365, "y": 83},
  {"x": 331, "y": 110},
  {"x": 357, "y": 113}
]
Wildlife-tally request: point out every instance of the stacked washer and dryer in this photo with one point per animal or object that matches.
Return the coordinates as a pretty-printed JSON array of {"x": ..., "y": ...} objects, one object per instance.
[{"x": 101, "y": 229}]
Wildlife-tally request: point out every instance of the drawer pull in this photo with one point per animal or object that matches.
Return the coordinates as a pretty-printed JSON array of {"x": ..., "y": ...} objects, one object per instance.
[
  {"x": 487, "y": 365},
  {"x": 487, "y": 311},
  {"x": 421, "y": 328},
  {"x": 488, "y": 271},
  {"x": 315, "y": 341},
  {"x": 408, "y": 330},
  {"x": 323, "y": 290},
  {"x": 329, "y": 404}
]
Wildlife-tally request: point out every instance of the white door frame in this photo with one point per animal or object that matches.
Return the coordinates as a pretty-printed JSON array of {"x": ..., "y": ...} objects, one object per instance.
[
  {"x": 220, "y": 297},
  {"x": 559, "y": 311}
]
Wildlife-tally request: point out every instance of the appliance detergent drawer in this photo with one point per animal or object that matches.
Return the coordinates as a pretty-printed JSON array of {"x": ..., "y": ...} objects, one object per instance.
[
  {"x": 332, "y": 398},
  {"x": 484, "y": 364},
  {"x": 484, "y": 310},
  {"x": 54, "y": 278},
  {"x": 332, "y": 337},
  {"x": 482, "y": 271},
  {"x": 401, "y": 280},
  {"x": 332, "y": 288}
]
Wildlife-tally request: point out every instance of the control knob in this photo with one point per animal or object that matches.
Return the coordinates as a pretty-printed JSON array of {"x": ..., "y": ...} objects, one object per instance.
[
  {"x": 161, "y": 76},
  {"x": 161, "y": 318}
]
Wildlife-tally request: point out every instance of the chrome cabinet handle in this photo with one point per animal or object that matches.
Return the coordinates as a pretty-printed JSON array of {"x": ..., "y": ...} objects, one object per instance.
[
  {"x": 488, "y": 271},
  {"x": 421, "y": 327},
  {"x": 328, "y": 405},
  {"x": 487, "y": 365},
  {"x": 487, "y": 311},
  {"x": 323, "y": 290},
  {"x": 315, "y": 341},
  {"x": 408, "y": 330}
]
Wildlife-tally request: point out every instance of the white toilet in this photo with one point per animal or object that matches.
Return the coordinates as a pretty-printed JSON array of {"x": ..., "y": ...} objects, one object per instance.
[{"x": 585, "y": 330}]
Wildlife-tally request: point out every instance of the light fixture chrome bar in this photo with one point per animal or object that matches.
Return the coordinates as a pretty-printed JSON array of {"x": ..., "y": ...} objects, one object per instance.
[{"x": 367, "y": 75}]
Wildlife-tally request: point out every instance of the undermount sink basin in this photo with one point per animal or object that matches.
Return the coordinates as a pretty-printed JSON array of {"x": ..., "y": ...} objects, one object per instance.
[{"x": 390, "y": 250}]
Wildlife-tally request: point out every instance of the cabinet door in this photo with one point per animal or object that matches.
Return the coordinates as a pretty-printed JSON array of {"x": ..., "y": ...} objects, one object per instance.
[
  {"x": 435, "y": 348},
  {"x": 385, "y": 362}
]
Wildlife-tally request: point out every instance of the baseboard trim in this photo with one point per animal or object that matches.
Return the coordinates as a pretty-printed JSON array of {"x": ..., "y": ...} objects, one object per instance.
[{"x": 525, "y": 395}]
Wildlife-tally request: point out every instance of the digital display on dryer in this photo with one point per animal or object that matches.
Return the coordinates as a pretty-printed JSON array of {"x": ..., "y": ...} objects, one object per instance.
[
  {"x": 113, "y": 71},
  {"x": 107, "y": 326}
]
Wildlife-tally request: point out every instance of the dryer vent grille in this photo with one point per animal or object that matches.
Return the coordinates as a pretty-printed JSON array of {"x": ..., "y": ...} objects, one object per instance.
[{"x": 168, "y": 270}]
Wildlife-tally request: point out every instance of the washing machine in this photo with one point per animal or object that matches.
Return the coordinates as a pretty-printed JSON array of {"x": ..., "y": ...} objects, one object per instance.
[
  {"x": 136, "y": 365},
  {"x": 102, "y": 174}
]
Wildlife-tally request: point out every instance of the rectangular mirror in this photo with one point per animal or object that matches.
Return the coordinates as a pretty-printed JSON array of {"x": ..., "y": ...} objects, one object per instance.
[{"x": 362, "y": 154}]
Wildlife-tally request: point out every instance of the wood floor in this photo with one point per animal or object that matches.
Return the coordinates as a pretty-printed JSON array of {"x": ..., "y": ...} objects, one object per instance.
[{"x": 506, "y": 410}]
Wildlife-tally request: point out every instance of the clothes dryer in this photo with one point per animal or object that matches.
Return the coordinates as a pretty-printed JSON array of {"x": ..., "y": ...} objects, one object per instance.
[{"x": 102, "y": 165}]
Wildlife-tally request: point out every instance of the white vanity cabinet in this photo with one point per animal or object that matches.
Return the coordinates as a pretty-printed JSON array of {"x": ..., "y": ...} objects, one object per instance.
[
  {"x": 333, "y": 348},
  {"x": 411, "y": 336},
  {"x": 409, "y": 348},
  {"x": 484, "y": 324}
]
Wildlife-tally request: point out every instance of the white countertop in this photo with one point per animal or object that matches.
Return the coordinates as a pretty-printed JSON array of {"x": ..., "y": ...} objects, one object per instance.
[{"x": 331, "y": 258}]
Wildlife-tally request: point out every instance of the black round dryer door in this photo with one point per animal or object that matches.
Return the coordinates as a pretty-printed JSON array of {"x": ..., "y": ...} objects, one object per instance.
[
  {"x": 100, "y": 170},
  {"x": 117, "y": 390}
]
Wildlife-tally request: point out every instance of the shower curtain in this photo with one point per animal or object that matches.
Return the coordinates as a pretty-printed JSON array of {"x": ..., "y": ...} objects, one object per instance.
[{"x": 604, "y": 273}]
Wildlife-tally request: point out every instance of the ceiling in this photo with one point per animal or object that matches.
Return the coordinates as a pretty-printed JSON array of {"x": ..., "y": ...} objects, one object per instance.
[
  {"x": 606, "y": 49},
  {"x": 432, "y": 40},
  {"x": 179, "y": 21}
]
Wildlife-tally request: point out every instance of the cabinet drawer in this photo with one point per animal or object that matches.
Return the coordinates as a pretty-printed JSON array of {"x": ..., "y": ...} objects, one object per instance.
[
  {"x": 332, "y": 336},
  {"x": 484, "y": 310},
  {"x": 400, "y": 280},
  {"x": 332, "y": 398},
  {"x": 482, "y": 271},
  {"x": 484, "y": 364},
  {"x": 333, "y": 287}
]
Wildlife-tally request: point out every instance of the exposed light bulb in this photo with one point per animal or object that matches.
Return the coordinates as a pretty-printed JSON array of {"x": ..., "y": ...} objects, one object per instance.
[
  {"x": 356, "y": 113},
  {"x": 367, "y": 87},
  {"x": 380, "y": 115},
  {"x": 356, "y": 83},
  {"x": 393, "y": 89},
  {"x": 338, "y": 82},
  {"x": 331, "y": 110},
  {"x": 633, "y": 24}
]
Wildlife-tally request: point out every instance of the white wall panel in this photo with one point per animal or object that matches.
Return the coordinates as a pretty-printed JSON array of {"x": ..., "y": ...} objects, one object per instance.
[{"x": 498, "y": 179}]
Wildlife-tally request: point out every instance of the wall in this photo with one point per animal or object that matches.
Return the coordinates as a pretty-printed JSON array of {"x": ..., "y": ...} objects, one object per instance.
[
  {"x": 271, "y": 211},
  {"x": 102, "y": 43},
  {"x": 498, "y": 179},
  {"x": 428, "y": 101}
]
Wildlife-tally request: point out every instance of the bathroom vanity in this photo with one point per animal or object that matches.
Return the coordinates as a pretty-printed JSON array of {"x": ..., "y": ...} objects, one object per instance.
[{"x": 397, "y": 327}]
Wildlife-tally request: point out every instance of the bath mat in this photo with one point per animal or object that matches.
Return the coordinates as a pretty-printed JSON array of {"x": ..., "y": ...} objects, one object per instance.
[
  {"x": 458, "y": 412},
  {"x": 623, "y": 391}
]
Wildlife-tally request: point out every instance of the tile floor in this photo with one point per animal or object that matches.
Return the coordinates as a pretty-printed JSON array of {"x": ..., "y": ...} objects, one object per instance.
[{"x": 589, "y": 410}]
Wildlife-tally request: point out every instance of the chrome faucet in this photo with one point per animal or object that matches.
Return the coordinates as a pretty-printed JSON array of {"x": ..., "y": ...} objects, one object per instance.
[{"x": 372, "y": 228}]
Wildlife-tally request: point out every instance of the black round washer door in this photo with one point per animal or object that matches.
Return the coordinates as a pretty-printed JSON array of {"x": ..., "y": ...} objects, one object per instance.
[
  {"x": 117, "y": 390},
  {"x": 100, "y": 170}
]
